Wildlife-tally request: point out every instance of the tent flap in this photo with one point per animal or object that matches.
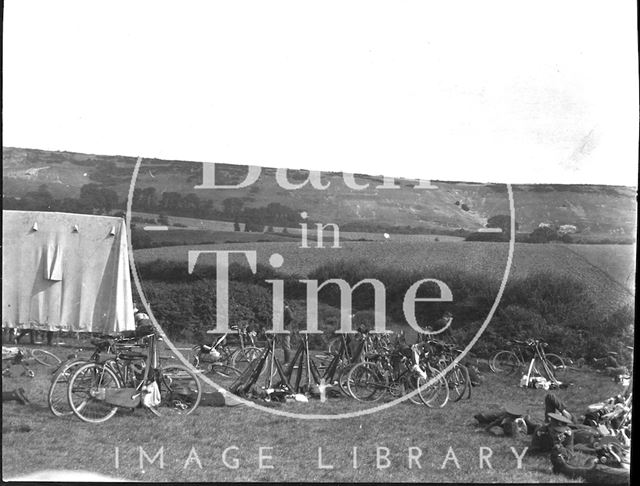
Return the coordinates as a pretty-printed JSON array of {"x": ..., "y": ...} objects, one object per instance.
[{"x": 58, "y": 278}]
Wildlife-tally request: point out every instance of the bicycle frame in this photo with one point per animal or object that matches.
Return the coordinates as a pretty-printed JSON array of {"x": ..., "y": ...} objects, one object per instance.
[
  {"x": 390, "y": 373},
  {"x": 540, "y": 356},
  {"x": 252, "y": 374},
  {"x": 121, "y": 367},
  {"x": 227, "y": 353}
]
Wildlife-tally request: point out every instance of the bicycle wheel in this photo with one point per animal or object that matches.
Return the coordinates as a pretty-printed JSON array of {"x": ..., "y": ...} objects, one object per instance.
[
  {"x": 557, "y": 365},
  {"x": 410, "y": 383},
  {"x": 505, "y": 362},
  {"x": 58, "y": 396},
  {"x": 45, "y": 358},
  {"x": 180, "y": 391},
  {"x": 343, "y": 379},
  {"x": 365, "y": 383},
  {"x": 457, "y": 382},
  {"x": 86, "y": 392},
  {"x": 242, "y": 358},
  {"x": 435, "y": 395}
]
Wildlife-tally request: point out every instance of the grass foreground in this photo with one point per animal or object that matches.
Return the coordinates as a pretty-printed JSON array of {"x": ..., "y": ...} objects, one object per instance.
[{"x": 403, "y": 443}]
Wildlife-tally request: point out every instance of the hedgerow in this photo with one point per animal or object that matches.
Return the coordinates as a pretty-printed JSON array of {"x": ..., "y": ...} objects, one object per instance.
[{"x": 555, "y": 308}]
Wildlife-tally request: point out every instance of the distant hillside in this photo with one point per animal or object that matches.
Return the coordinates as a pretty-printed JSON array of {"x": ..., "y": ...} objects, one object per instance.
[{"x": 452, "y": 206}]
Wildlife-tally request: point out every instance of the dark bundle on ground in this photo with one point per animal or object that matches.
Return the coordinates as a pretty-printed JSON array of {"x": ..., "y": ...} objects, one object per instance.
[
  {"x": 593, "y": 473},
  {"x": 15, "y": 395}
]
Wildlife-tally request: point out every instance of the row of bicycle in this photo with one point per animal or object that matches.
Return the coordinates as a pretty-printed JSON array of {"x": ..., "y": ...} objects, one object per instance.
[
  {"x": 365, "y": 366},
  {"x": 425, "y": 373},
  {"x": 127, "y": 372}
]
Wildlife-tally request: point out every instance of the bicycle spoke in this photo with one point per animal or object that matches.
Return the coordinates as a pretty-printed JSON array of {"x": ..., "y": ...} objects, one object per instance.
[
  {"x": 87, "y": 390},
  {"x": 364, "y": 384},
  {"x": 180, "y": 391},
  {"x": 58, "y": 391}
]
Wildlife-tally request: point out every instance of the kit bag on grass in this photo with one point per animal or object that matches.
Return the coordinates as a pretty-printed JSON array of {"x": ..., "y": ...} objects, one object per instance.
[
  {"x": 212, "y": 399},
  {"x": 151, "y": 395}
]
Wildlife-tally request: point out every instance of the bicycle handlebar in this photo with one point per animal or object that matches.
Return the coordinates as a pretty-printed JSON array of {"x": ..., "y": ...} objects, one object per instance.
[{"x": 528, "y": 342}]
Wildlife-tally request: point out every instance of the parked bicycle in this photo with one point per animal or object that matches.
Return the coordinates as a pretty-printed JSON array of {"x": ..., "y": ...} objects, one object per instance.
[
  {"x": 438, "y": 355},
  {"x": 220, "y": 358},
  {"x": 388, "y": 372},
  {"x": 57, "y": 396},
  {"x": 335, "y": 365},
  {"x": 529, "y": 353},
  {"x": 132, "y": 379}
]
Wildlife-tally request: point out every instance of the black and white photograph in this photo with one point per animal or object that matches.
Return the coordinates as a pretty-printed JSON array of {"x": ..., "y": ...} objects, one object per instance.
[{"x": 339, "y": 241}]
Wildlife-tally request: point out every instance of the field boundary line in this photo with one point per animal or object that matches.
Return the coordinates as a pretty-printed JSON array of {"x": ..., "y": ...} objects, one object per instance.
[{"x": 600, "y": 270}]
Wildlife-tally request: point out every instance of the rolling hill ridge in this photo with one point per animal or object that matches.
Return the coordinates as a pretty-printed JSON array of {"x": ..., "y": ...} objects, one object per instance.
[{"x": 450, "y": 206}]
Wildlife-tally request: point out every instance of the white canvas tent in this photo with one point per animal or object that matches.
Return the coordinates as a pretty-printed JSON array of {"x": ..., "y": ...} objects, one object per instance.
[{"x": 66, "y": 272}]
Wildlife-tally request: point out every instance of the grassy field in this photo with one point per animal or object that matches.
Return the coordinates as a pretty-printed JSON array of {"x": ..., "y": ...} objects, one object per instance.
[
  {"x": 605, "y": 269},
  {"x": 67, "y": 443}
]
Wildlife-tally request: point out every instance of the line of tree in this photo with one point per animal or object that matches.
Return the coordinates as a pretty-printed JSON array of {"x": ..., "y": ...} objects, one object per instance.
[
  {"x": 94, "y": 198},
  {"x": 97, "y": 199},
  {"x": 233, "y": 208}
]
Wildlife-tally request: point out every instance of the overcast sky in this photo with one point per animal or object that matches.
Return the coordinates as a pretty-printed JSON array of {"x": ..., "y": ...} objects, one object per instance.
[{"x": 502, "y": 91}]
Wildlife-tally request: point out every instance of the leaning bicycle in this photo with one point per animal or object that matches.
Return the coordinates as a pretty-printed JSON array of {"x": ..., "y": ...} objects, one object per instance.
[
  {"x": 221, "y": 359},
  {"x": 57, "y": 397},
  {"x": 515, "y": 359},
  {"x": 393, "y": 374},
  {"x": 133, "y": 379}
]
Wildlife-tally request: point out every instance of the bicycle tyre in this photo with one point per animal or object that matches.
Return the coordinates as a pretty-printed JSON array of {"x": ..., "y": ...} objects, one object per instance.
[
  {"x": 343, "y": 379},
  {"x": 46, "y": 358},
  {"x": 457, "y": 383},
  {"x": 435, "y": 395},
  {"x": 84, "y": 384},
  {"x": 505, "y": 362},
  {"x": 180, "y": 391},
  {"x": 365, "y": 383},
  {"x": 410, "y": 385},
  {"x": 57, "y": 398}
]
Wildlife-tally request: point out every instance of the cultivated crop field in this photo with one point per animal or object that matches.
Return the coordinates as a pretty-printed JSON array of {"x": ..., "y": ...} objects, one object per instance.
[
  {"x": 618, "y": 261},
  {"x": 199, "y": 237},
  {"x": 604, "y": 269},
  {"x": 293, "y": 444}
]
